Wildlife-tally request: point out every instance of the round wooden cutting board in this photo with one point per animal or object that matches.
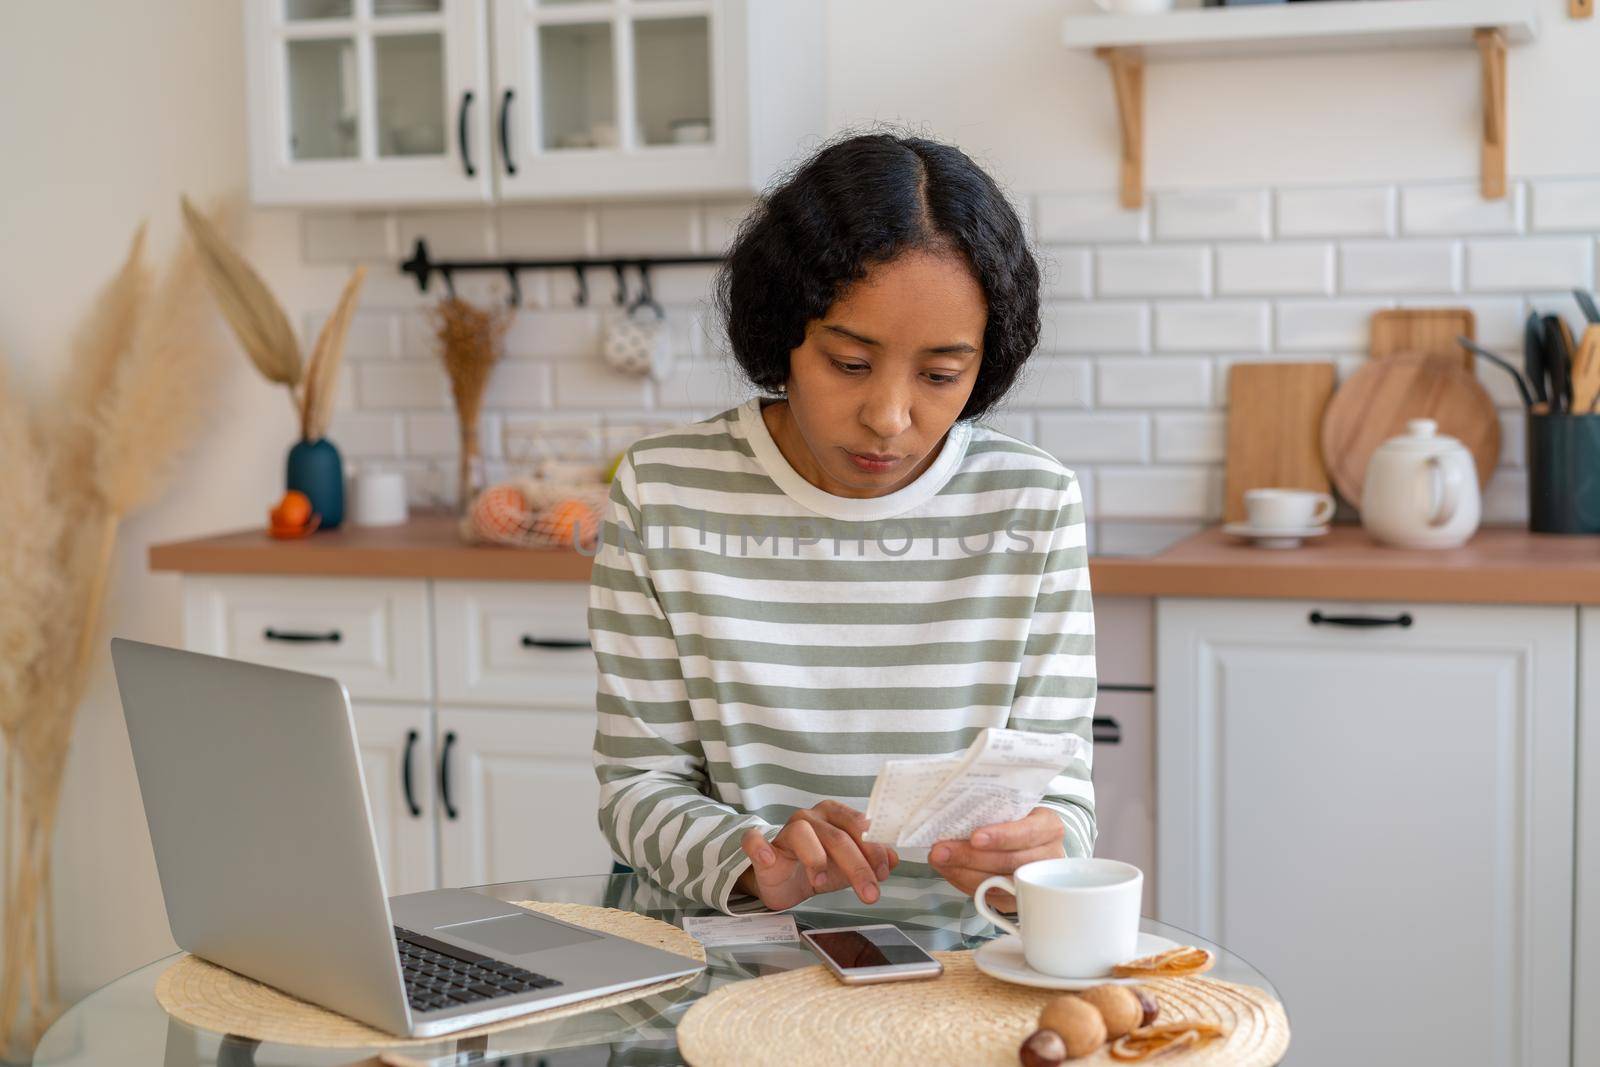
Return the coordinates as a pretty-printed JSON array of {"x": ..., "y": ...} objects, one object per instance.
[{"x": 1377, "y": 401}]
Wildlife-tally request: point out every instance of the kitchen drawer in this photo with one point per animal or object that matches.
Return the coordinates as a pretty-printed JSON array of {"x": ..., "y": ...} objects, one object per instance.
[
  {"x": 1125, "y": 640},
  {"x": 1125, "y": 784},
  {"x": 520, "y": 644},
  {"x": 372, "y": 635}
]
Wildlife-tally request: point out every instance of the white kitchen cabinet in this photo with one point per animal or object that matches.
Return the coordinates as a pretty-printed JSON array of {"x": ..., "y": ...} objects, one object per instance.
[
  {"x": 395, "y": 102},
  {"x": 1379, "y": 817},
  {"x": 368, "y": 101},
  {"x": 396, "y": 742},
  {"x": 1586, "y": 937},
  {"x": 1124, "y": 783},
  {"x": 518, "y": 795},
  {"x": 516, "y": 644}
]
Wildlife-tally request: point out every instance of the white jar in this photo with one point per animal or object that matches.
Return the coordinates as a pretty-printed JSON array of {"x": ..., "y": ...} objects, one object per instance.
[{"x": 1421, "y": 490}]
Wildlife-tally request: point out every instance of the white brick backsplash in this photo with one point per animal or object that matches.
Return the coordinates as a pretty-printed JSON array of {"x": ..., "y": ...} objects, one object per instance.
[
  {"x": 342, "y": 236},
  {"x": 518, "y": 384},
  {"x": 672, "y": 285},
  {"x": 454, "y": 234},
  {"x": 1505, "y": 499},
  {"x": 1225, "y": 364},
  {"x": 366, "y": 434},
  {"x": 1079, "y": 439},
  {"x": 559, "y": 333},
  {"x": 1067, "y": 217},
  {"x": 1137, "y": 270},
  {"x": 1013, "y": 423},
  {"x": 1191, "y": 438},
  {"x": 1154, "y": 492},
  {"x": 1458, "y": 208},
  {"x": 433, "y": 434},
  {"x": 1067, "y": 272},
  {"x": 528, "y": 438},
  {"x": 664, "y": 227},
  {"x": 404, "y": 384},
  {"x": 1093, "y": 327},
  {"x": 1497, "y": 319},
  {"x": 1153, "y": 382},
  {"x": 371, "y": 333},
  {"x": 529, "y": 232},
  {"x": 1341, "y": 211},
  {"x": 719, "y": 222},
  {"x": 1274, "y": 269},
  {"x": 1326, "y": 325},
  {"x": 1211, "y": 327},
  {"x": 1222, "y": 213},
  {"x": 590, "y": 383},
  {"x": 1513, "y": 438},
  {"x": 1053, "y": 382},
  {"x": 1530, "y": 263},
  {"x": 1566, "y": 205},
  {"x": 703, "y": 385},
  {"x": 1399, "y": 266},
  {"x": 344, "y": 389},
  {"x": 1502, "y": 390}
]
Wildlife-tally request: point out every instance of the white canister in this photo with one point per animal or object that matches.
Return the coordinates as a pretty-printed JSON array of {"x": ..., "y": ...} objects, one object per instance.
[
  {"x": 379, "y": 498},
  {"x": 1421, "y": 490}
]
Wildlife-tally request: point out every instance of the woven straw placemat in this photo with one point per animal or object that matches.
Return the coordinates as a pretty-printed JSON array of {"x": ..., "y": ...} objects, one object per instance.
[
  {"x": 213, "y": 998},
  {"x": 808, "y": 1018}
]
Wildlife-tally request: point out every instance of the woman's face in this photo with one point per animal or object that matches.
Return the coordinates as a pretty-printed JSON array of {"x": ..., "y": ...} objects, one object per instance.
[{"x": 881, "y": 377}]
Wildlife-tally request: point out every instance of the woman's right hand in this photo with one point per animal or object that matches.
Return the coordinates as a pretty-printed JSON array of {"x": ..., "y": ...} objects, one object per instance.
[{"x": 819, "y": 849}]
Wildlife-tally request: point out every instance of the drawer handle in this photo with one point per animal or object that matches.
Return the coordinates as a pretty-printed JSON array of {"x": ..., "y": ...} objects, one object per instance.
[
  {"x": 529, "y": 641},
  {"x": 444, "y": 774},
  {"x": 1107, "y": 731},
  {"x": 1403, "y": 620},
  {"x": 405, "y": 775},
  {"x": 332, "y": 636}
]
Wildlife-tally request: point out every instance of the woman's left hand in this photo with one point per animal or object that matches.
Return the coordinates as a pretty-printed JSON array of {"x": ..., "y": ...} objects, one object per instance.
[{"x": 999, "y": 849}]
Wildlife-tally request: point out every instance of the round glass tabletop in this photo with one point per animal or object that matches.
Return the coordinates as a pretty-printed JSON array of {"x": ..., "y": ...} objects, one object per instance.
[{"x": 122, "y": 1023}]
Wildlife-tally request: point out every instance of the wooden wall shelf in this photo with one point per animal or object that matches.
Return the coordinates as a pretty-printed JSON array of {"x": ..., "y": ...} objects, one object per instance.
[{"x": 1126, "y": 42}]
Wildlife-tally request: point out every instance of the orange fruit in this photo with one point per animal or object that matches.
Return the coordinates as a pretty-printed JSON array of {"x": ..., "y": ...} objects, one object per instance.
[
  {"x": 571, "y": 522},
  {"x": 293, "y": 510}
]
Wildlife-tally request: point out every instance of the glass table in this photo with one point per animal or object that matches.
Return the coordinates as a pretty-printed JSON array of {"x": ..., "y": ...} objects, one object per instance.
[{"x": 122, "y": 1023}]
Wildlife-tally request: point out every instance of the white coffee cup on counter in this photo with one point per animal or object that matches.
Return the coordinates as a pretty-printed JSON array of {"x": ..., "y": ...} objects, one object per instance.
[
  {"x": 1287, "y": 509},
  {"x": 379, "y": 498},
  {"x": 1077, "y": 918}
]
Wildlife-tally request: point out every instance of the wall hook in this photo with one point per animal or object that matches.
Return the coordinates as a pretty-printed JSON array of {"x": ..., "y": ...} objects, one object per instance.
[
  {"x": 583, "y": 285},
  {"x": 622, "y": 284},
  {"x": 645, "y": 297},
  {"x": 515, "y": 299},
  {"x": 449, "y": 281}
]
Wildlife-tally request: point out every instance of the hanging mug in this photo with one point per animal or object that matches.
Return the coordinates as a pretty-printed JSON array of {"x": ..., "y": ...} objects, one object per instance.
[{"x": 637, "y": 342}]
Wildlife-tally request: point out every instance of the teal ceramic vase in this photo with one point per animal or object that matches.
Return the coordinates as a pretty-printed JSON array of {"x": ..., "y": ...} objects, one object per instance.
[{"x": 315, "y": 469}]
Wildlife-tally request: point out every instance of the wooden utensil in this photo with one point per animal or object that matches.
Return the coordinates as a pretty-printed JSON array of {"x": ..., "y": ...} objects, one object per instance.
[
  {"x": 1379, "y": 399},
  {"x": 1586, "y": 372},
  {"x": 1425, "y": 331},
  {"x": 1274, "y": 414}
]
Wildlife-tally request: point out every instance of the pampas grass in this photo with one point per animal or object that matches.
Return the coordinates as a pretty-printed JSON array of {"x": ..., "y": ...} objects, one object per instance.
[
  {"x": 138, "y": 386},
  {"x": 469, "y": 347}
]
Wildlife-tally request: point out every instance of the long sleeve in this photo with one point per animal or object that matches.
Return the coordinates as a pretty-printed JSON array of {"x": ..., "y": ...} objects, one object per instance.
[
  {"x": 654, "y": 804},
  {"x": 1056, "y": 684}
]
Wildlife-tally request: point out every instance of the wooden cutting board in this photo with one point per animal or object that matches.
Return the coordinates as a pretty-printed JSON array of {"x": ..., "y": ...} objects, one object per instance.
[
  {"x": 1425, "y": 331},
  {"x": 1274, "y": 413},
  {"x": 1379, "y": 399}
]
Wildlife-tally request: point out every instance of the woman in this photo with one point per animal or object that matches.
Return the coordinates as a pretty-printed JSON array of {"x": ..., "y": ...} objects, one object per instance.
[{"x": 848, "y": 569}]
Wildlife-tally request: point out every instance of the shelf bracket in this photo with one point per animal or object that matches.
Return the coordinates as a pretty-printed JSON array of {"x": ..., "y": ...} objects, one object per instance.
[
  {"x": 1492, "y": 166},
  {"x": 1127, "y": 81}
]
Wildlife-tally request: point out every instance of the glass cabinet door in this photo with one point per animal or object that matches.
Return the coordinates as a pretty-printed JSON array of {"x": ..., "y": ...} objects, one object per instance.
[
  {"x": 368, "y": 100},
  {"x": 608, "y": 95}
]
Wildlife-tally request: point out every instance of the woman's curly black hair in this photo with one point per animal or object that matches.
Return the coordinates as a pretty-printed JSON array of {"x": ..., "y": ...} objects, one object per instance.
[{"x": 859, "y": 202}]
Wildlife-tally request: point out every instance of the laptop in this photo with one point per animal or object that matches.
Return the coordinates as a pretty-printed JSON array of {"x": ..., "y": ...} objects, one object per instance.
[{"x": 253, "y": 790}]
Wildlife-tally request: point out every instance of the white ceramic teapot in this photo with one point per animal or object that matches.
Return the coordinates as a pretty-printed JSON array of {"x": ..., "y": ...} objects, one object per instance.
[{"x": 1421, "y": 490}]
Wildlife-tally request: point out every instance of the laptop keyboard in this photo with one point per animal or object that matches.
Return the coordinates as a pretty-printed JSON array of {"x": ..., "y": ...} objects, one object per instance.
[{"x": 444, "y": 976}]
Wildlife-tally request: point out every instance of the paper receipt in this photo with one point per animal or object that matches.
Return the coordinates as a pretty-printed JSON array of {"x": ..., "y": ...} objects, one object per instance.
[{"x": 714, "y": 930}]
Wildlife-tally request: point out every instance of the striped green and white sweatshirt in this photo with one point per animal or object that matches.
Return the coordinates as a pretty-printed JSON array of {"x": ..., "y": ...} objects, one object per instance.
[{"x": 764, "y": 645}]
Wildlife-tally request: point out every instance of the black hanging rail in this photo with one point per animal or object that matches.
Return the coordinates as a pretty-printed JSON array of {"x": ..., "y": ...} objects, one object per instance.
[{"x": 422, "y": 268}]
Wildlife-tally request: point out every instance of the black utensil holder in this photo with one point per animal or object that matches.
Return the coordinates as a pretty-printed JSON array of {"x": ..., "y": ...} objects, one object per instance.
[{"x": 1564, "y": 474}]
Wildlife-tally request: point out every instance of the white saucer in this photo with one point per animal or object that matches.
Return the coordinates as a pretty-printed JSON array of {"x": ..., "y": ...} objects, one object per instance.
[
  {"x": 1272, "y": 536},
  {"x": 1002, "y": 958}
]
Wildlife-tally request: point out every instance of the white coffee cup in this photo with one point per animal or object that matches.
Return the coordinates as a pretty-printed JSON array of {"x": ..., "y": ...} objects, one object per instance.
[
  {"x": 1079, "y": 917},
  {"x": 1134, "y": 7},
  {"x": 380, "y": 498},
  {"x": 1287, "y": 509}
]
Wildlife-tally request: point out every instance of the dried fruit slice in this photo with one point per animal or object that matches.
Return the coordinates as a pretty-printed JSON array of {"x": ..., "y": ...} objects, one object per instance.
[
  {"x": 1162, "y": 1039},
  {"x": 1175, "y": 963}
]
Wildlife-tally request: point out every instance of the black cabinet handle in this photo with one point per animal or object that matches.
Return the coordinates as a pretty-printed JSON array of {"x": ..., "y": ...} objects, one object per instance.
[
  {"x": 461, "y": 133},
  {"x": 1402, "y": 620},
  {"x": 405, "y": 774},
  {"x": 530, "y": 641},
  {"x": 1107, "y": 731},
  {"x": 444, "y": 774},
  {"x": 505, "y": 132},
  {"x": 331, "y": 637}
]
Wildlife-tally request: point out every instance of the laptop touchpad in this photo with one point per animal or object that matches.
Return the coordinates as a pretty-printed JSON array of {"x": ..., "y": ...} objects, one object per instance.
[{"x": 514, "y": 935}]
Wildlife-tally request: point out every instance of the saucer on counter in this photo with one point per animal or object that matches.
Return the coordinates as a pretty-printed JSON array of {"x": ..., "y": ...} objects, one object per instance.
[
  {"x": 1002, "y": 958},
  {"x": 1274, "y": 537}
]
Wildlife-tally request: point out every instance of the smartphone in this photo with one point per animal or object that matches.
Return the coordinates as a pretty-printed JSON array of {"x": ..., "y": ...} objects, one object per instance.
[{"x": 878, "y": 953}]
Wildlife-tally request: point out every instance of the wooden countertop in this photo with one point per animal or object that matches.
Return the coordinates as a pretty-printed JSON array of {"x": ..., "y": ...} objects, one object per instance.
[{"x": 1501, "y": 565}]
